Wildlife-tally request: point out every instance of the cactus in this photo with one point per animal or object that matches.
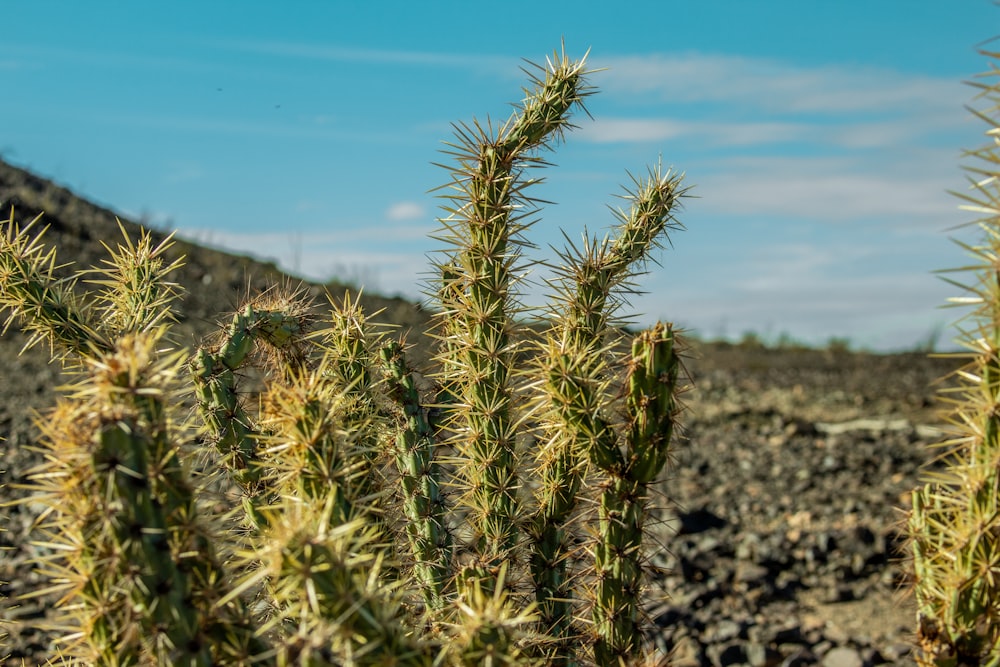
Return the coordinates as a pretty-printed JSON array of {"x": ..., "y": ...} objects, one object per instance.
[
  {"x": 954, "y": 524},
  {"x": 332, "y": 521}
]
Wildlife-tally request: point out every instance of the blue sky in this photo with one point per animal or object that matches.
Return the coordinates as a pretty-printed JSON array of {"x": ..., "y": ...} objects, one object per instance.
[{"x": 820, "y": 137}]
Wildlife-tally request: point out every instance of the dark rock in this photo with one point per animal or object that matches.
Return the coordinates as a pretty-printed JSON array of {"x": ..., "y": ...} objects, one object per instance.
[
  {"x": 698, "y": 521},
  {"x": 720, "y": 655}
]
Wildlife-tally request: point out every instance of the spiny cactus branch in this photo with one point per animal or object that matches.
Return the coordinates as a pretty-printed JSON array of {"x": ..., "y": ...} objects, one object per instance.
[
  {"x": 479, "y": 274},
  {"x": 420, "y": 474},
  {"x": 46, "y": 306},
  {"x": 651, "y": 406}
]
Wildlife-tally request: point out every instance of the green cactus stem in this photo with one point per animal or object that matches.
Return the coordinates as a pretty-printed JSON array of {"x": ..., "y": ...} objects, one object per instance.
[
  {"x": 954, "y": 523},
  {"x": 479, "y": 276},
  {"x": 491, "y": 630},
  {"x": 136, "y": 549},
  {"x": 136, "y": 293},
  {"x": 329, "y": 585},
  {"x": 423, "y": 500},
  {"x": 46, "y": 306},
  {"x": 651, "y": 407},
  {"x": 279, "y": 320},
  {"x": 314, "y": 444},
  {"x": 349, "y": 342}
]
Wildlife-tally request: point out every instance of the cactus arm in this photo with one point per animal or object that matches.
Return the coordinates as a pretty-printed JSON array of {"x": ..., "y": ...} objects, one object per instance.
[
  {"x": 492, "y": 630},
  {"x": 573, "y": 358},
  {"x": 349, "y": 342},
  {"x": 137, "y": 295},
  {"x": 651, "y": 407},
  {"x": 45, "y": 305},
  {"x": 119, "y": 493},
  {"x": 313, "y": 441},
  {"x": 328, "y": 580},
  {"x": 230, "y": 428},
  {"x": 423, "y": 500},
  {"x": 278, "y": 320}
]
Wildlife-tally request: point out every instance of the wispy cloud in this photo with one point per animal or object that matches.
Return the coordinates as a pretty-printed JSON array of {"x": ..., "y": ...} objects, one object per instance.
[
  {"x": 344, "y": 256},
  {"x": 774, "y": 85},
  {"x": 811, "y": 290},
  {"x": 405, "y": 210},
  {"x": 844, "y": 132},
  {"x": 909, "y": 190},
  {"x": 769, "y": 138},
  {"x": 349, "y": 235},
  {"x": 643, "y": 130},
  {"x": 327, "y": 52}
]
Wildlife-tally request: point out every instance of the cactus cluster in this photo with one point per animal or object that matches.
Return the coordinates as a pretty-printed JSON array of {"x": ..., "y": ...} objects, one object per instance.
[
  {"x": 954, "y": 524},
  {"x": 349, "y": 512}
]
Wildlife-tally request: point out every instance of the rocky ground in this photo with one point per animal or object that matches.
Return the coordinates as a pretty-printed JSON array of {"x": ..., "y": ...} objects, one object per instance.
[
  {"x": 785, "y": 545},
  {"x": 779, "y": 540}
]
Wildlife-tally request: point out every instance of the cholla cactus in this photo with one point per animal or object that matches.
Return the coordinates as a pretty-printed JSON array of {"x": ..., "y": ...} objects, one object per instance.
[
  {"x": 322, "y": 524},
  {"x": 955, "y": 521}
]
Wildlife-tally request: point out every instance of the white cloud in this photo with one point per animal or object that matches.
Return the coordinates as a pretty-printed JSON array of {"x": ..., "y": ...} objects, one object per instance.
[
  {"x": 370, "y": 56},
  {"x": 911, "y": 189},
  {"x": 610, "y": 130},
  {"x": 807, "y": 290},
  {"x": 847, "y": 133},
  {"x": 774, "y": 85},
  {"x": 344, "y": 254},
  {"x": 405, "y": 210}
]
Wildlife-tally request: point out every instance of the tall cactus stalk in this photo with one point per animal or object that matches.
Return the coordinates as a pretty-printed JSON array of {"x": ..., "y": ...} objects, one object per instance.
[
  {"x": 954, "y": 523},
  {"x": 480, "y": 274}
]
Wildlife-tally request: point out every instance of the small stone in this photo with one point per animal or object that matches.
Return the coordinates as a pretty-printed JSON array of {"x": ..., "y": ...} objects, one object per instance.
[
  {"x": 800, "y": 657},
  {"x": 842, "y": 656},
  {"x": 748, "y": 572},
  {"x": 835, "y": 634},
  {"x": 724, "y": 631},
  {"x": 756, "y": 654},
  {"x": 686, "y": 653},
  {"x": 896, "y": 651}
]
